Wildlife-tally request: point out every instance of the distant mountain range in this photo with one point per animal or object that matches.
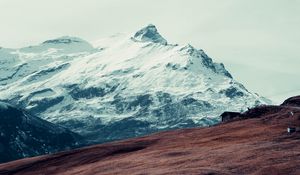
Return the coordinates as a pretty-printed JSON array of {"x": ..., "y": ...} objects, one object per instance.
[{"x": 120, "y": 87}]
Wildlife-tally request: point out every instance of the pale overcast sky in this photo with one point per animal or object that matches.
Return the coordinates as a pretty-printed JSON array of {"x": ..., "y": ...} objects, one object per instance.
[{"x": 257, "y": 40}]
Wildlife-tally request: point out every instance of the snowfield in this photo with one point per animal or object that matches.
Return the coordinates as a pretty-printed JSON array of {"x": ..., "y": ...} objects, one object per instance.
[{"x": 122, "y": 86}]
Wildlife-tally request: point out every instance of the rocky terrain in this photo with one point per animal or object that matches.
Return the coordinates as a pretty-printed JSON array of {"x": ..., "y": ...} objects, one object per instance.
[{"x": 257, "y": 142}]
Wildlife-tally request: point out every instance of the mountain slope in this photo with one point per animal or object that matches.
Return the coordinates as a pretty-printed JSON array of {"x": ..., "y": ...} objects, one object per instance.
[
  {"x": 136, "y": 80},
  {"x": 23, "y": 135},
  {"x": 256, "y": 143}
]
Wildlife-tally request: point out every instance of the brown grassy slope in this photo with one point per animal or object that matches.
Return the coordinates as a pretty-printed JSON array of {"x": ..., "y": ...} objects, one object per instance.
[{"x": 257, "y": 145}]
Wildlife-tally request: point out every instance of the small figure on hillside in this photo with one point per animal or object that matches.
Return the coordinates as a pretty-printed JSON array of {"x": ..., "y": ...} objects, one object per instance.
[{"x": 291, "y": 113}]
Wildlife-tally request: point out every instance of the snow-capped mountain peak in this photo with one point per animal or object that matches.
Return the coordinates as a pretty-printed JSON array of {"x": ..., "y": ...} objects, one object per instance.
[
  {"x": 122, "y": 87},
  {"x": 149, "y": 33}
]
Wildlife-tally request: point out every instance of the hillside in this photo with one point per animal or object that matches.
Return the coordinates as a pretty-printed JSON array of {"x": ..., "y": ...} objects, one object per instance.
[
  {"x": 23, "y": 135},
  {"x": 255, "y": 143}
]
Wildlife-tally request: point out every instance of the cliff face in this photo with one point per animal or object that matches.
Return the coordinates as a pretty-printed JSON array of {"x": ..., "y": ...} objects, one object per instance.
[{"x": 256, "y": 143}]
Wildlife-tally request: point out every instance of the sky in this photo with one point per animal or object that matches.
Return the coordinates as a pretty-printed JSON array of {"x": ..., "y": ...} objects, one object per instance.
[{"x": 258, "y": 41}]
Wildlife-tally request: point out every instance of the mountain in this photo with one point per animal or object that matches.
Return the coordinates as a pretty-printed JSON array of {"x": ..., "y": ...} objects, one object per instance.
[
  {"x": 255, "y": 143},
  {"x": 122, "y": 86},
  {"x": 23, "y": 135}
]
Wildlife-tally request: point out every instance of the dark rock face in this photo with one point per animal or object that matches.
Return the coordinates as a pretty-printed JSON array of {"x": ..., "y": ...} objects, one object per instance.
[
  {"x": 23, "y": 135},
  {"x": 150, "y": 33},
  {"x": 61, "y": 41},
  {"x": 232, "y": 92},
  {"x": 87, "y": 93},
  {"x": 123, "y": 104}
]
